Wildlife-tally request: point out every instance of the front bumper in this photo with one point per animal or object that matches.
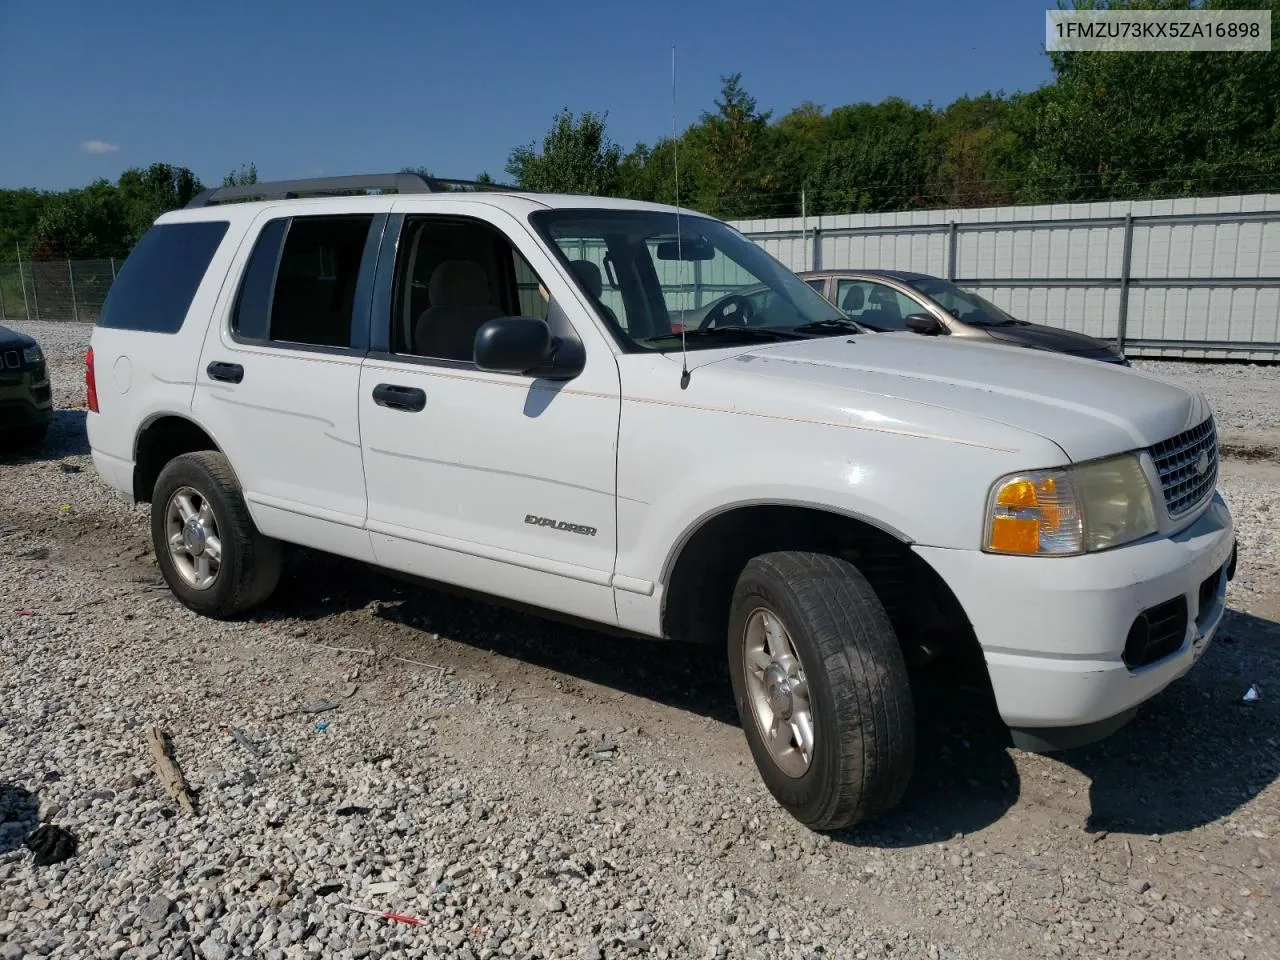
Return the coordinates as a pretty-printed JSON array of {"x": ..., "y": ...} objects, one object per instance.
[
  {"x": 26, "y": 399},
  {"x": 1053, "y": 630}
]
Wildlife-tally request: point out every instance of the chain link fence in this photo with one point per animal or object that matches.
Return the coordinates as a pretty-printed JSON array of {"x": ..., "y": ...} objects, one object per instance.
[{"x": 68, "y": 290}]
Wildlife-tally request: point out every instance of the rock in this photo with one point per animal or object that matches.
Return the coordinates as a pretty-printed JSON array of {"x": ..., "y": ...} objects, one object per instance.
[
  {"x": 211, "y": 949},
  {"x": 553, "y": 905},
  {"x": 1139, "y": 886},
  {"x": 155, "y": 910}
]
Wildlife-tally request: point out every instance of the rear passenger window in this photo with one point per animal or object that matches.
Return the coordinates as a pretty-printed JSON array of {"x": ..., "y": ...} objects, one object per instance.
[
  {"x": 300, "y": 284},
  {"x": 158, "y": 281}
]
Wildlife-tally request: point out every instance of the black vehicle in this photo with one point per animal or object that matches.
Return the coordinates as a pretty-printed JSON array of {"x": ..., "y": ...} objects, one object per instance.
[
  {"x": 26, "y": 400},
  {"x": 899, "y": 300}
]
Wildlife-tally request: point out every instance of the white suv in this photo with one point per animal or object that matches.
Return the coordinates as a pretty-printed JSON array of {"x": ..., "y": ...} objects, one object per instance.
[{"x": 491, "y": 390}]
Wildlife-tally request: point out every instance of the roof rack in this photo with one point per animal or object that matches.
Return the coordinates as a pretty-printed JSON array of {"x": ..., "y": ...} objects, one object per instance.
[{"x": 288, "y": 189}]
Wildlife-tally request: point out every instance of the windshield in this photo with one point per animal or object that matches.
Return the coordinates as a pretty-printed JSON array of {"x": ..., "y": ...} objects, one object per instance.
[
  {"x": 964, "y": 306},
  {"x": 712, "y": 282}
]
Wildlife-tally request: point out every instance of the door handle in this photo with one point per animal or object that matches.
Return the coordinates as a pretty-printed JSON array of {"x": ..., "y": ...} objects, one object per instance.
[
  {"x": 399, "y": 398},
  {"x": 227, "y": 372}
]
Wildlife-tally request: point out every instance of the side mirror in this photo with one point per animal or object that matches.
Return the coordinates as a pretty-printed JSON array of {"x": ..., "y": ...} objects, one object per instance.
[
  {"x": 525, "y": 346},
  {"x": 926, "y": 324}
]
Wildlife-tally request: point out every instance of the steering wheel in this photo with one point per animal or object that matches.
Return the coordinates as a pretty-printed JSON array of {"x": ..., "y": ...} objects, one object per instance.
[{"x": 741, "y": 313}]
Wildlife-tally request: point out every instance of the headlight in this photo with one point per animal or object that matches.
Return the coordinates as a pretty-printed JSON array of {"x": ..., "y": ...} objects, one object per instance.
[
  {"x": 32, "y": 354},
  {"x": 1070, "y": 510}
]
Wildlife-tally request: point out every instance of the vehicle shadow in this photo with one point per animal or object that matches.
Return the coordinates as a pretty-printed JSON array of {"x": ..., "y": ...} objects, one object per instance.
[
  {"x": 1193, "y": 755},
  {"x": 18, "y": 816},
  {"x": 964, "y": 778},
  {"x": 314, "y": 586},
  {"x": 66, "y": 437},
  {"x": 1198, "y": 752}
]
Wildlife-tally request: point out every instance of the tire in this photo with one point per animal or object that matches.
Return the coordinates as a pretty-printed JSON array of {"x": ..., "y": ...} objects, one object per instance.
[
  {"x": 248, "y": 564},
  {"x": 862, "y": 718}
]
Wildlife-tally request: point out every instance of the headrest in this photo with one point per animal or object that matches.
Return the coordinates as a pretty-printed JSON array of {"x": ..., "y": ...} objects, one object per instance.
[
  {"x": 853, "y": 300},
  {"x": 458, "y": 283},
  {"x": 883, "y": 295},
  {"x": 588, "y": 275}
]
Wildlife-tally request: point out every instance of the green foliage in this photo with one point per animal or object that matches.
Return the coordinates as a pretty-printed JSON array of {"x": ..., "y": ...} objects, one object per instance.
[
  {"x": 81, "y": 223},
  {"x": 735, "y": 153},
  {"x": 245, "y": 176},
  {"x": 1121, "y": 126},
  {"x": 142, "y": 195},
  {"x": 100, "y": 220},
  {"x": 576, "y": 157}
]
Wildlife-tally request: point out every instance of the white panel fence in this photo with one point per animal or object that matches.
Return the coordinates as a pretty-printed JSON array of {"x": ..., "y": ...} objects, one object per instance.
[{"x": 1179, "y": 278}]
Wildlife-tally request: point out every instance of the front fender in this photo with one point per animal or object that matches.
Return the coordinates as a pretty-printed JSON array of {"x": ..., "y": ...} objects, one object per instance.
[{"x": 681, "y": 462}]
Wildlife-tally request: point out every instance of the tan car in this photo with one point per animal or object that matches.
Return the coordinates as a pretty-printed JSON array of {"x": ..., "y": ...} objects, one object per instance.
[{"x": 898, "y": 300}]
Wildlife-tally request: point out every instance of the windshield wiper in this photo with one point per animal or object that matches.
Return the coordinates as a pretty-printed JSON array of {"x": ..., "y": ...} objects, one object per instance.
[
  {"x": 751, "y": 333},
  {"x": 837, "y": 324}
]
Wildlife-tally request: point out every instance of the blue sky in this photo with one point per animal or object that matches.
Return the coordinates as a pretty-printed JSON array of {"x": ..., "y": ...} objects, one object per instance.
[{"x": 301, "y": 89}]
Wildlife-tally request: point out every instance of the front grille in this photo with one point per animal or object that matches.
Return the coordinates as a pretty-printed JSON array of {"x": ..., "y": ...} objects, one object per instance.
[
  {"x": 1179, "y": 461},
  {"x": 1156, "y": 633}
]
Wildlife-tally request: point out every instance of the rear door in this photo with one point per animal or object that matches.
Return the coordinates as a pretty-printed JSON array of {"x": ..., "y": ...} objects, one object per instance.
[{"x": 278, "y": 381}]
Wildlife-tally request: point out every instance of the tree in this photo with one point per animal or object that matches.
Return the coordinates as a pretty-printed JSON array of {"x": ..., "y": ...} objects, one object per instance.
[
  {"x": 577, "y": 157},
  {"x": 20, "y": 212},
  {"x": 145, "y": 194},
  {"x": 737, "y": 172},
  {"x": 978, "y": 146},
  {"x": 877, "y": 157},
  {"x": 81, "y": 224},
  {"x": 1122, "y": 125},
  {"x": 871, "y": 174},
  {"x": 800, "y": 138},
  {"x": 650, "y": 174},
  {"x": 243, "y": 177}
]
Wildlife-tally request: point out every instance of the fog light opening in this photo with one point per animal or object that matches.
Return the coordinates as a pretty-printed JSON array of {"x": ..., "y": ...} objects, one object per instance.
[{"x": 1135, "y": 644}]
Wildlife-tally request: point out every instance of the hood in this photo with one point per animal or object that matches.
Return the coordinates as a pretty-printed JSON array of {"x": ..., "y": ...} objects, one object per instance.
[
  {"x": 1040, "y": 337},
  {"x": 13, "y": 339},
  {"x": 1086, "y": 408}
]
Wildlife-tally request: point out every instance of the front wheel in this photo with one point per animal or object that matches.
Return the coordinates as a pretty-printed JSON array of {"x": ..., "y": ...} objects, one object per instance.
[
  {"x": 210, "y": 553},
  {"x": 821, "y": 688}
]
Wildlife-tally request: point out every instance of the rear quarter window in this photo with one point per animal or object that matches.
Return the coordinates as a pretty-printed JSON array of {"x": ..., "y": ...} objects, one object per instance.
[{"x": 159, "y": 279}]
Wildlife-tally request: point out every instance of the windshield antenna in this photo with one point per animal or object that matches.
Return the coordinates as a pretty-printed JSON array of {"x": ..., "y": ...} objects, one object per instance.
[{"x": 675, "y": 158}]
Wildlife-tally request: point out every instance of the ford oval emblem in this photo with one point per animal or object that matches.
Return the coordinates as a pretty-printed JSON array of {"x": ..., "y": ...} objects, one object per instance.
[{"x": 1202, "y": 463}]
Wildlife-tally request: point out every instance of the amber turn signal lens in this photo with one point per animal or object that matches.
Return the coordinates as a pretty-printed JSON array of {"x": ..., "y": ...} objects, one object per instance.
[{"x": 1035, "y": 513}]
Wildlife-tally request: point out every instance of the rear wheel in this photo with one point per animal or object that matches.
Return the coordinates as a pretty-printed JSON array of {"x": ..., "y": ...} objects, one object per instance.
[
  {"x": 821, "y": 688},
  {"x": 210, "y": 553}
]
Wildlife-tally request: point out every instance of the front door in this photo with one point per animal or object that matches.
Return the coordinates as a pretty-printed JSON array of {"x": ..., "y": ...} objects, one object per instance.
[{"x": 498, "y": 483}]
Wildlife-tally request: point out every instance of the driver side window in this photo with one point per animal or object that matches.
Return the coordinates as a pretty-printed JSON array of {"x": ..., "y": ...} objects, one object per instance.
[
  {"x": 876, "y": 304},
  {"x": 453, "y": 275}
]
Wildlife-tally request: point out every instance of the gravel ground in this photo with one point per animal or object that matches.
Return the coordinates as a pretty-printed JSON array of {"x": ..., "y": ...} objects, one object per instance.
[{"x": 531, "y": 790}]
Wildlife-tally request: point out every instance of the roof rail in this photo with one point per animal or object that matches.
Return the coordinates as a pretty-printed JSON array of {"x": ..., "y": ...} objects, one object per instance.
[{"x": 288, "y": 189}]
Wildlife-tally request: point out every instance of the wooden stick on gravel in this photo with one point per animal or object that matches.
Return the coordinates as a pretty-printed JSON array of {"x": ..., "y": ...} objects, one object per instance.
[{"x": 175, "y": 784}]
